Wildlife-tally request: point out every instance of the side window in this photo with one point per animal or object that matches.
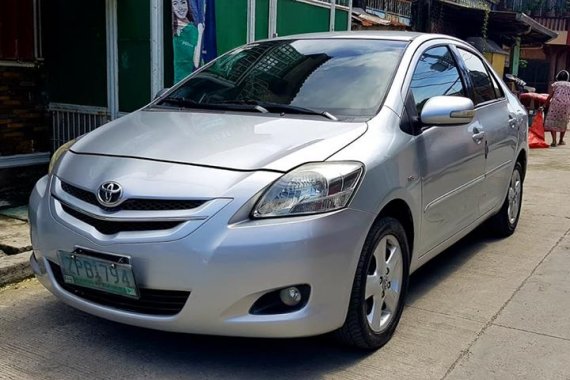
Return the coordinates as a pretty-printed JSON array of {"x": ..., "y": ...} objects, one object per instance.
[
  {"x": 483, "y": 88},
  {"x": 436, "y": 75},
  {"x": 498, "y": 90}
]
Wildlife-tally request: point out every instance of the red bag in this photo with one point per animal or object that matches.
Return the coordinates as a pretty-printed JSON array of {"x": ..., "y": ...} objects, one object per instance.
[{"x": 536, "y": 133}]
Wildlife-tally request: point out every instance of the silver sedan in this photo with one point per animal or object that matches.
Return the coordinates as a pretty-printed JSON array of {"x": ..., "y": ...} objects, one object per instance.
[{"x": 288, "y": 188}]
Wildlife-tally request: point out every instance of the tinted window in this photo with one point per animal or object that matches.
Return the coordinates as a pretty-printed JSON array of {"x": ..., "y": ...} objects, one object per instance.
[
  {"x": 498, "y": 91},
  {"x": 343, "y": 77},
  {"x": 482, "y": 85},
  {"x": 436, "y": 75}
]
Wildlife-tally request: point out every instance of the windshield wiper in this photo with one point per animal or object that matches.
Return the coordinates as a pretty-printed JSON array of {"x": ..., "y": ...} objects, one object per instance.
[
  {"x": 283, "y": 108},
  {"x": 189, "y": 103},
  {"x": 247, "y": 105}
]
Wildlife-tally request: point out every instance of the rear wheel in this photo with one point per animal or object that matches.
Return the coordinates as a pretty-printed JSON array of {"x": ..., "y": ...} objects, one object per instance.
[
  {"x": 505, "y": 222},
  {"x": 379, "y": 288}
]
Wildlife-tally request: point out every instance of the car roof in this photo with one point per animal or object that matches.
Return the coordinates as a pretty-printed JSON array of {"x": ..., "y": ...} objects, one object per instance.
[
  {"x": 364, "y": 34},
  {"x": 370, "y": 34}
]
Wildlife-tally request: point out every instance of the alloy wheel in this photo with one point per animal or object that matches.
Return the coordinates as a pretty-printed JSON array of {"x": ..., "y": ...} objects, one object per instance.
[
  {"x": 384, "y": 283},
  {"x": 514, "y": 197}
]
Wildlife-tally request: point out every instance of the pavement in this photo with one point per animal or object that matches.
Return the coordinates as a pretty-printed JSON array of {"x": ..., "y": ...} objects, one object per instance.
[
  {"x": 484, "y": 309},
  {"x": 15, "y": 245}
]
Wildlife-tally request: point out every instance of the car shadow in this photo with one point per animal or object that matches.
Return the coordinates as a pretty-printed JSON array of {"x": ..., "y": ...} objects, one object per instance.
[
  {"x": 138, "y": 352},
  {"x": 448, "y": 262}
]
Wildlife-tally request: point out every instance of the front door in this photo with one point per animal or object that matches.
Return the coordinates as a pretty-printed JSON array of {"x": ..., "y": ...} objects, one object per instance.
[{"x": 452, "y": 157}]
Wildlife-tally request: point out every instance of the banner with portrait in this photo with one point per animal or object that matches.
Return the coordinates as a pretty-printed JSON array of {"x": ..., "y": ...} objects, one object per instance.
[{"x": 193, "y": 35}]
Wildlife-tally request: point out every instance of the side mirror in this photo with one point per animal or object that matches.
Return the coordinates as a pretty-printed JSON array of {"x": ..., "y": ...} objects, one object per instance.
[
  {"x": 447, "y": 110},
  {"x": 161, "y": 92}
]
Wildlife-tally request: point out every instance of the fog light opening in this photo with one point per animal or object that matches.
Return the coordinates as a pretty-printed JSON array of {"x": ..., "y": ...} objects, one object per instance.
[
  {"x": 281, "y": 301},
  {"x": 290, "y": 296}
]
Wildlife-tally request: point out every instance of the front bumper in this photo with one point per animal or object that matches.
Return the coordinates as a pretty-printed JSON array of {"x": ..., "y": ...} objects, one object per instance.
[{"x": 225, "y": 267}]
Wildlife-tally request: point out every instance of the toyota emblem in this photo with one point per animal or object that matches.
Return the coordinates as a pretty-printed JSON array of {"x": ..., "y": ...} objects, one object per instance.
[{"x": 110, "y": 194}]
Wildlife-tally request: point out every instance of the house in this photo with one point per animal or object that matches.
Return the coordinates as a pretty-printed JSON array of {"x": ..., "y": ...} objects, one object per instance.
[{"x": 499, "y": 27}]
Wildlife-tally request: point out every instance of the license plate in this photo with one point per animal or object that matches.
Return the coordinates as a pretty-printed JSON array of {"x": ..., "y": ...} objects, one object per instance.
[{"x": 95, "y": 273}]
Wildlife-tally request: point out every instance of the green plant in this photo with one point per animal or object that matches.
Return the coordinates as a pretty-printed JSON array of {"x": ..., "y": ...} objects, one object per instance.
[{"x": 485, "y": 24}]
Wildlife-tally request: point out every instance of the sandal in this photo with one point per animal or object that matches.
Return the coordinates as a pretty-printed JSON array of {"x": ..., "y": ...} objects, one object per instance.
[
  {"x": 561, "y": 143},
  {"x": 553, "y": 145}
]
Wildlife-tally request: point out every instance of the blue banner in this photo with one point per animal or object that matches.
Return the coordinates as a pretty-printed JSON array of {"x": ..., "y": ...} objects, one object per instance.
[{"x": 210, "y": 50}]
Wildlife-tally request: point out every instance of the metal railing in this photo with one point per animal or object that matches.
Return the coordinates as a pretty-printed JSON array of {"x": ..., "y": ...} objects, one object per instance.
[
  {"x": 342, "y": 3},
  {"x": 475, "y": 4},
  {"x": 398, "y": 7},
  {"x": 550, "y": 8},
  {"x": 69, "y": 121}
]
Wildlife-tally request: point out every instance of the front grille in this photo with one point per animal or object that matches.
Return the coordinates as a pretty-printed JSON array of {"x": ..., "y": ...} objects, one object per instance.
[
  {"x": 151, "y": 301},
  {"x": 84, "y": 195},
  {"x": 133, "y": 204},
  {"x": 107, "y": 227}
]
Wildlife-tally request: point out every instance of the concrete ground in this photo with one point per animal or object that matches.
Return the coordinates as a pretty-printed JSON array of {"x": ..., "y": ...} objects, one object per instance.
[{"x": 484, "y": 309}]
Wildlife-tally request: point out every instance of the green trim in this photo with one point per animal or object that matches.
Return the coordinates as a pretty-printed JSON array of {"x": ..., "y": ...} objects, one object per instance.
[{"x": 516, "y": 57}]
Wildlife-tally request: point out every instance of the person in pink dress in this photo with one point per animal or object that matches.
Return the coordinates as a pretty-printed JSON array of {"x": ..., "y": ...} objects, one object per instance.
[{"x": 558, "y": 104}]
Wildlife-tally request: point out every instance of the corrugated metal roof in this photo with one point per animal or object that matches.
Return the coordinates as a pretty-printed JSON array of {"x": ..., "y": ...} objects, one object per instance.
[{"x": 553, "y": 23}]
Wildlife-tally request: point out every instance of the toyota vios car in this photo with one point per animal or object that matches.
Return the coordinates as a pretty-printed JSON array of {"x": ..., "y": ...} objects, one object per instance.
[{"x": 289, "y": 188}]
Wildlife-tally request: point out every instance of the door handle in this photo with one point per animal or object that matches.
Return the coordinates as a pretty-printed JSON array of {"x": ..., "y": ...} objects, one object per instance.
[
  {"x": 512, "y": 122},
  {"x": 478, "y": 136}
]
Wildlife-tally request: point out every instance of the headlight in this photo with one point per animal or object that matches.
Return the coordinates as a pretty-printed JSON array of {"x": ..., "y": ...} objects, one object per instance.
[
  {"x": 58, "y": 153},
  {"x": 310, "y": 189}
]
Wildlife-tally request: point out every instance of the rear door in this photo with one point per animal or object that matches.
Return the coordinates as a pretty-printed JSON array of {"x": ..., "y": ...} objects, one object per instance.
[
  {"x": 451, "y": 157},
  {"x": 499, "y": 124}
]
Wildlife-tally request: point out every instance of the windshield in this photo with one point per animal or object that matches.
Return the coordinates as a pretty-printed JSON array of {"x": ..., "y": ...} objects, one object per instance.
[{"x": 337, "y": 78}]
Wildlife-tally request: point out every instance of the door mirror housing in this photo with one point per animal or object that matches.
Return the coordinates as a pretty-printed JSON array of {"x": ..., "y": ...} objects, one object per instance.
[
  {"x": 447, "y": 110},
  {"x": 161, "y": 92}
]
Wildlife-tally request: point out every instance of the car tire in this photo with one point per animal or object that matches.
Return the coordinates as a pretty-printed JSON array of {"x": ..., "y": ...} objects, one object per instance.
[
  {"x": 379, "y": 288},
  {"x": 505, "y": 222}
]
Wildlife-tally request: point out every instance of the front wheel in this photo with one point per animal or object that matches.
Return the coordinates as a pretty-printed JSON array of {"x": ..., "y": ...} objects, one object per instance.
[
  {"x": 379, "y": 288},
  {"x": 505, "y": 222}
]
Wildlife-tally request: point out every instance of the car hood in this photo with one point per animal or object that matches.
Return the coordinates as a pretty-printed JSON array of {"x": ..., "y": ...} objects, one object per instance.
[{"x": 225, "y": 140}]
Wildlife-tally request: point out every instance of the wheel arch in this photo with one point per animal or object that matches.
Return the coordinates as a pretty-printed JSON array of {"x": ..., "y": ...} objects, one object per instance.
[
  {"x": 522, "y": 159},
  {"x": 400, "y": 210}
]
